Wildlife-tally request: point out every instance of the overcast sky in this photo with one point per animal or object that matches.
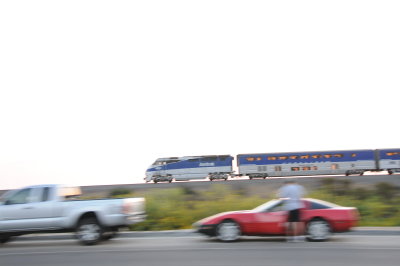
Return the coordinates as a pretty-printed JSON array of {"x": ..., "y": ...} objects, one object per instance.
[{"x": 92, "y": 92}]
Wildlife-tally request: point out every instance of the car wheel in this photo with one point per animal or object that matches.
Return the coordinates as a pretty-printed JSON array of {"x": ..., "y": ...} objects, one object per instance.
[
  {"x": 318, "y": 230},
  {"x": 89, "y": 231},
  {"x": 228, "y": 231}
]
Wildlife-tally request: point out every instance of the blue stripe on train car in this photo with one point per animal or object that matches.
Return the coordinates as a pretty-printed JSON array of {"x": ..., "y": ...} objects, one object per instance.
[
  {"x": 199, "y": 164},
  {"x": 305, "y": 157},
  {"x": 389, "y": 154},
  {"x": 195, "y": 163}
]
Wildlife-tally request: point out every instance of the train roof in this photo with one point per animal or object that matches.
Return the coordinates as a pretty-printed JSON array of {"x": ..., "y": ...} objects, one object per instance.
[
  {"x": 191, "y": 157},
  {"x": 295, "y": 152}
]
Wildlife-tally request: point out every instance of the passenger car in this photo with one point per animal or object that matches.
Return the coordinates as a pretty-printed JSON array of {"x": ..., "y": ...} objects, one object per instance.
[{"x": 321, "y": 218}]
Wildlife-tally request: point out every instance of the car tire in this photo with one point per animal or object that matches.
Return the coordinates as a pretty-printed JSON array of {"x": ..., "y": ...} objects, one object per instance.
[
  {"x": 89, "y": 231},
  {"x": 228, "y": 231},
  {"x": 318, "y": 230}
]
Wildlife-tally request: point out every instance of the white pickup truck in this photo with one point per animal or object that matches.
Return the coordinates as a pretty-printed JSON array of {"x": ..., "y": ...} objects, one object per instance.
[{"x": 55, "y": 208}]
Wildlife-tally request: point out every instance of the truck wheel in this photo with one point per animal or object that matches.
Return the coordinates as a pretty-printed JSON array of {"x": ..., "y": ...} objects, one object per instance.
[
  {"x": 89, "y": 231},
  {"x": 109, "y": 235}
]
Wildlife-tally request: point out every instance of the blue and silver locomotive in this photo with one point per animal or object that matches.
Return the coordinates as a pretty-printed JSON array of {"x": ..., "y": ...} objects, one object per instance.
[{"x": 190, "y": 167}]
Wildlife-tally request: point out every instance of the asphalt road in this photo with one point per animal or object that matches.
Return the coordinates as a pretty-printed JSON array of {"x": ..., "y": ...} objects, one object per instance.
[{"x": 196, "y": 250}]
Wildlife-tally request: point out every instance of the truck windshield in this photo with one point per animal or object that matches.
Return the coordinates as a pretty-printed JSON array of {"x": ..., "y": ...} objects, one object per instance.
[{"x": 5, "y": 196}]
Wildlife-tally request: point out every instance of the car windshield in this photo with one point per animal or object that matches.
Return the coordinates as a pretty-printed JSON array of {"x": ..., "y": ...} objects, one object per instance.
[
  {"x": 6, "y": 195},
  {"x": 267, "y": 205}
]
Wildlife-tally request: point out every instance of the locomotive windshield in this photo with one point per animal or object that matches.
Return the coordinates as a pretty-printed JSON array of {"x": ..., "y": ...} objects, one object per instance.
[{"x": 165, "y": 161}]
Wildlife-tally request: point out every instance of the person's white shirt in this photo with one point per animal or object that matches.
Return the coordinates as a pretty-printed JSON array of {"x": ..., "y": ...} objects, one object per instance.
[{"x": 292, "y": 193}]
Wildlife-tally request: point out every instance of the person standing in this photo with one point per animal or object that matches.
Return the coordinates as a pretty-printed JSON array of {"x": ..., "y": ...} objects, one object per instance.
[{"x": 292, "y": 193}]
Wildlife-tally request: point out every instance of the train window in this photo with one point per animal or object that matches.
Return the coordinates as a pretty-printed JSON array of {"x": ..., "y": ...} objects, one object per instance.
[
  {"x": 334, "y": 166},
  {"x": 304, "y": 156},
  {"x": 327, "y": 156},
  {"x": 223, "y": 158},
  {"x": 338, "y": 155},
  {"x": 250, "y": 159},
  {"x": 262, "y": 169},
  {"x": 171, "y": 161},
  {"x": 315, "y": 168},
  {"x": 353, "y": 154},
  {"x": 283, "y": 157},
  {"x": 208, "y": 159},
  {"x": 392, "y": 153},
  {"x": 295, "y": 168},
  {"x": 293, "y": 157},
  {"x": 258, "y": 158},
  {"x": 278, "y": 168},
  {"x": 272, "y": 158},
  {"x": 316, "y": 156},
  {"x": 306, "y": 168}
]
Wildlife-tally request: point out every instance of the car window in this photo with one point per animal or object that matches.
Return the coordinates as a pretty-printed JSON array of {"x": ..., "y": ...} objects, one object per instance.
[
  {"x": 277, "y": 208},
  {"x": 20, "y": 197},
  {"x": 271, "y": 206},
  {"x": 320, "y": 204},
  {"x": 40, "y": 194},
  {"x": 317, "y": 206},
  {"x": 266, "y": 206},
  {"x": 45, "y": 194}
]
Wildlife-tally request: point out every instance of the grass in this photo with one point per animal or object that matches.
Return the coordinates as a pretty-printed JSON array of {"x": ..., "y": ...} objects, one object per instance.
[{"x": 179, "y": 208}]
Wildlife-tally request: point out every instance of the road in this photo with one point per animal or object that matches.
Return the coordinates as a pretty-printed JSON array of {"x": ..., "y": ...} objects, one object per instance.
[{"x": 196, "y": 250}]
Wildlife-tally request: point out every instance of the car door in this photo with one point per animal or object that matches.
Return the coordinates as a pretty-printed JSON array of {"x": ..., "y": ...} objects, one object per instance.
[
  {"x": 15, "y": 210},
  {"x": 28, "y": 209},
  {"x": 271, "y": 221},
  {"x": 41, "y": 209}
]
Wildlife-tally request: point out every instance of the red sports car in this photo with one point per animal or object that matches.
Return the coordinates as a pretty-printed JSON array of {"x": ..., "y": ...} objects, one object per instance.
[{"x": 321, "y": 218}]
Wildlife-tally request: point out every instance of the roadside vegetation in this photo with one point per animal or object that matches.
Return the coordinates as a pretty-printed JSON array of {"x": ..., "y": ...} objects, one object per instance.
[
  {"x": 179, "y": 208},
  {"x": 378, "y": 205}
]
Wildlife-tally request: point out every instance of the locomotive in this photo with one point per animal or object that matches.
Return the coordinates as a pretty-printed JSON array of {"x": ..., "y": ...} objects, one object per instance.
[{"x": 283, "y": 164}]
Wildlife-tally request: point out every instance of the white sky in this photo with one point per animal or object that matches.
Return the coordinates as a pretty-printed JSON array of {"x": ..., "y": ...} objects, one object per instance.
[{"x": 92, "y": 92}]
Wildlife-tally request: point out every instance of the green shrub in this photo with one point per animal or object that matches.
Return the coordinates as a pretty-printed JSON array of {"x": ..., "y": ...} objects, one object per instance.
[
  {"x": 119, "y": 192},
  {"x": 179, "y": 208}
]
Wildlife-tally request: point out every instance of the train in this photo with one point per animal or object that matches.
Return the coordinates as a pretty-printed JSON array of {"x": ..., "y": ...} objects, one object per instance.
[{"x": 281, "y": 164}]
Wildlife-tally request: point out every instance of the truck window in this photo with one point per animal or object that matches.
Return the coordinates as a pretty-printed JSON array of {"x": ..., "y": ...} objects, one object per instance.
[
  {"x": 70, "y": 193},
  {"x": 45, "y": 194},
  {"x": 20, "y": 197}
]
